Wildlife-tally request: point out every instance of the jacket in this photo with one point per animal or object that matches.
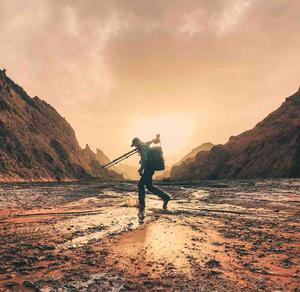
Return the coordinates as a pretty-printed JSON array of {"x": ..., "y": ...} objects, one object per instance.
[{"x": 144, "y": 150}]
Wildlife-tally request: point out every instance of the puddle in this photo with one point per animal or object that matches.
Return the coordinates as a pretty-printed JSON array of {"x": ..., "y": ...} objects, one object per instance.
[
  {"x": 242, "y": 235},
  {"x": 113, "y": 221}
]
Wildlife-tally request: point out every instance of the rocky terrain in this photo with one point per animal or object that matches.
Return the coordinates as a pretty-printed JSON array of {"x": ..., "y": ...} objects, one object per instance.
[
  {"x": 216, "y": 236},
  {"x": 37, "y": 143},
  {"x": 270, "y": 149}
]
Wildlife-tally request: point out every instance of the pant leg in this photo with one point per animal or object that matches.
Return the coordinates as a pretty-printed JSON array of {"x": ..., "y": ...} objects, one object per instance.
[
  {"x": 145, "y": 179},
  {"x": 141, "y": 187},
  {"x": 151, "y": 188}
]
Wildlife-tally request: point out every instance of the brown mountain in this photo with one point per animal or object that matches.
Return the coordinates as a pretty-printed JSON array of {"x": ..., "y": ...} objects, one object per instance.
[
  {"x": 127, "y": 171},
  {"x": 101, "y": 157},
  {"x": 192, "y": 154},
  {"x": 36, "y": 143},
  {"x": 95, "y": 162},
  {"x": 186, "y": 159},
  {"x": 270, "y": 149}
]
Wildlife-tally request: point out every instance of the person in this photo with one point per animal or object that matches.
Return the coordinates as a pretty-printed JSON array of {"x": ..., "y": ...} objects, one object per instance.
[{"x": 146, "y": 172}]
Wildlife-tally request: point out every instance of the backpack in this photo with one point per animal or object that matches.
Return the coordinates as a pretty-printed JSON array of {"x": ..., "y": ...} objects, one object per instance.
[{"x": 156, "y": 159}]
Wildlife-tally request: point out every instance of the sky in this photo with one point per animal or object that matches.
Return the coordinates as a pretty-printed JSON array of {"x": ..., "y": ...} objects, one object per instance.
[{"x": 192, "y": 70}]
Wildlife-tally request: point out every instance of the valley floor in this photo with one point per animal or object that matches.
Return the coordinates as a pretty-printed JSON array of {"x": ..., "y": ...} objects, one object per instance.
[{"x": 223, "y": 236}]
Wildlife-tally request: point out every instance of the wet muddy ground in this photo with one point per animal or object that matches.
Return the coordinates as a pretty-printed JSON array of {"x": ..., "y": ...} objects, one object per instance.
[{"x": 216, "y": 236}]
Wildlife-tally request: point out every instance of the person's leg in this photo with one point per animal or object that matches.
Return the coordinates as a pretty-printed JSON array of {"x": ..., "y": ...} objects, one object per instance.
[
  {"x": 141, "y": 187},
  {"x": 151, "y": 188}
]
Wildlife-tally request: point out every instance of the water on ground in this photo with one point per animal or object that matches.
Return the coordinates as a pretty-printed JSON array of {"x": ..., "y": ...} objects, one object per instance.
[{"x": 217, "y": 235}]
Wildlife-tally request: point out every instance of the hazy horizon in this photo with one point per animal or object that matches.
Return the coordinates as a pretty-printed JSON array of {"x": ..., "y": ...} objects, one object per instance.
[{"x": 193, "y": 71}]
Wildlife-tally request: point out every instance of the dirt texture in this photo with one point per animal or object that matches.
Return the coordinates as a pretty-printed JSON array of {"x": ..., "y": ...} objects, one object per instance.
[{"x": 216, "y": 236}]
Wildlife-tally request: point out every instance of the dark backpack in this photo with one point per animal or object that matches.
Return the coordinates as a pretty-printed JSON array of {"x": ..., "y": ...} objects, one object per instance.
[{"x": 156, "y": 159}]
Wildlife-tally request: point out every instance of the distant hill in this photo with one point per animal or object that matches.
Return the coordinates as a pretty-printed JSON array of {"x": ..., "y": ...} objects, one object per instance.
[
  {"x": 188, "y": 157},
  {"x": 127, "y": 171},
  {"x": 192, "y": 154},
  {"x": 95, "y": 167},
  {"x": 271, "y": 149},
  {"x": 160, "y": 175},
  {"x": 37, "y": 143},
  {"x": 101, "y": 157}
]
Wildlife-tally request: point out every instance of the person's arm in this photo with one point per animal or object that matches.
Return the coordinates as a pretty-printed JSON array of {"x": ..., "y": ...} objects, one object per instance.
[{"x": 144, "y": 158}]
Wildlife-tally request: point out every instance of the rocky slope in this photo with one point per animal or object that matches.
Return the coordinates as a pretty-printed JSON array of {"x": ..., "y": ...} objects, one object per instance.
[
  {"x": 124, "y": 170},
  {"x": 36, "y": 143},
  {"x": 165, "y": 174},
  {"x": 192, "y": 154},
  {"x": 270, "y": 149},
  {"x": 101, "y": 157},
  {"x": 95, "y": 162},
  {"x": 188, "y": 158}
]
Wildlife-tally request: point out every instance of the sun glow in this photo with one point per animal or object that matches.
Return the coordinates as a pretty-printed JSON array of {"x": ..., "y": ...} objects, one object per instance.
[{"x": 174, "y": 131}]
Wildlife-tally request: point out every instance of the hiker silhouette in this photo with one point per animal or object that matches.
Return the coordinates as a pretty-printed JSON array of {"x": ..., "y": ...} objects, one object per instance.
[{"x": 146, "y": 171}]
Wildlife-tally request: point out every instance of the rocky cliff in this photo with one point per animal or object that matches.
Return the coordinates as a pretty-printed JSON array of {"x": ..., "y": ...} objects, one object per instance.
[
  {"x": 185, "y": 160},
  {"x": 101, "y": 157},
  {"x": 192, "y": 154},
  {"x": 270, "y": 149},
  {"x": 36, "y": 143},
  {"x": 123, "y": 170},
  {"x": 95, "y": 162}
]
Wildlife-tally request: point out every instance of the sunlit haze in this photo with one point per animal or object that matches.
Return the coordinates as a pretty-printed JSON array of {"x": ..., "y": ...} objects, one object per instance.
[
  {"x": 174, "y": 130},
  {"x": 194, "y": 71}
]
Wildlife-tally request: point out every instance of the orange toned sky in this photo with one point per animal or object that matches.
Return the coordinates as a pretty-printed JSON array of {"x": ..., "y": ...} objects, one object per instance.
[{"x": 192, "y": 70}]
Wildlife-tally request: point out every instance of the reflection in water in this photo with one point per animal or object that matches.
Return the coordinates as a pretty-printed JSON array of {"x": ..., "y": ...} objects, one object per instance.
[
  {"x": 208, "y": 235},
  {"x": 157, "y": 242}
]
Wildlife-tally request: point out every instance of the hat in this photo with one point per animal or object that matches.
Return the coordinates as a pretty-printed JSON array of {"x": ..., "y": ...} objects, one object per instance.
[{"x": 134, "y": 141}]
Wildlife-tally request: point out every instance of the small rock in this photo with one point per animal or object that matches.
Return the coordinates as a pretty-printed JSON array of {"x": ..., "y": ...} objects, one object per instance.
[
  {"x": 104, "y": 252},
  {"x": 20, "y": 263},
  {"x": 130, "y": 285},
  {"x": 214, "y": 273},
  {"x": 11, "y": 285},
  {"x": 213, "y": 264},
  {"x": 28, "y": 284},
  {"x": 143, "y": 275},
  {"x": 46, "y": 247}
]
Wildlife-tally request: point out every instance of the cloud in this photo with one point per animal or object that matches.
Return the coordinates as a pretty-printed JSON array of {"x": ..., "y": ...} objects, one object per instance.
[
  {"x": 106, "y": 64},
  {"x": 232, "y": 15}
]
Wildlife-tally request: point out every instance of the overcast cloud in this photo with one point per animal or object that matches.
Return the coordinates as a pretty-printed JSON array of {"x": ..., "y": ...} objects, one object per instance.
[{"x": 105, "y": 65}]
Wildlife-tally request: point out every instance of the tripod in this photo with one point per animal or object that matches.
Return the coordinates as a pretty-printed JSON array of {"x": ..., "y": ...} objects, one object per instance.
[{"x": 156, "y": 140}]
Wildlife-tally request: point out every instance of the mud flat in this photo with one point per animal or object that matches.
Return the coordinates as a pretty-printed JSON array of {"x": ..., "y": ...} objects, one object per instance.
[{"x": 224, "y": 236}]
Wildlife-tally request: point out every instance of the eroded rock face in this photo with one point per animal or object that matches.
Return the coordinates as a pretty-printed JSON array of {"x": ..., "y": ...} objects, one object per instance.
[
  {"x": 270, "y": 149},
  {"x": 119, "y": 171},
  {"x": 188, "y": 158},
  {"x": 36, "y": 143},
  {"x": 192, "y": 154},
  {"x": 96, "y": 161}
]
